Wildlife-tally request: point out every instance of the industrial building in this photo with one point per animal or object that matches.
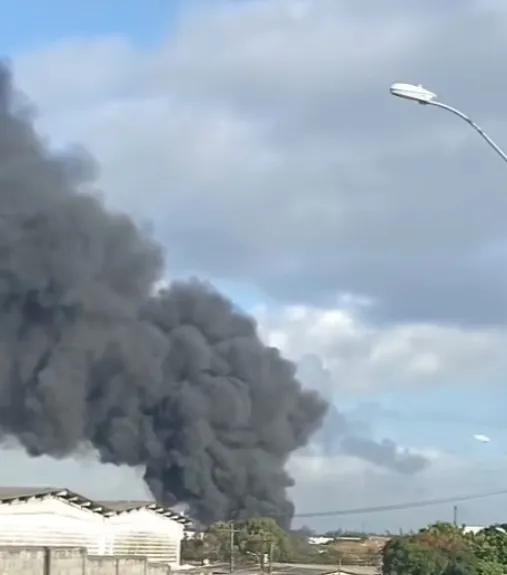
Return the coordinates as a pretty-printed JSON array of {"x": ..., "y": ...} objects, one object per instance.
[{"x": 61, "y": 518}]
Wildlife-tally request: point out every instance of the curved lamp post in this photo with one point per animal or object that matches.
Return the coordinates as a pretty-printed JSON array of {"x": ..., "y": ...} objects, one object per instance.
[{"x": 425, "y": 97}]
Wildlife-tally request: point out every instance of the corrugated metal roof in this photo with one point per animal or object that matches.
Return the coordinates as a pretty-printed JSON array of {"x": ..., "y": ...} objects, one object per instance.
[
  {"x": 21, "y": 492},
  {"x": 8, "y": 494},
  {"x": 11, "y": 494},
  {"x": 129, "y": 505},
  {"x": 126, "y": 505}
]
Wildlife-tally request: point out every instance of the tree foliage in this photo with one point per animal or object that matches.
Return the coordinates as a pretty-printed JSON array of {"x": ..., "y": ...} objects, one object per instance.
[
  {"x": 409, "y": 555},
  {"x": 259, "y": 539},
  {"x": 444, "y": 549},
  {"x": 263, "y": 539},
  {"x": 491, "y": 544},
  {"x": 439, "y": 549}
]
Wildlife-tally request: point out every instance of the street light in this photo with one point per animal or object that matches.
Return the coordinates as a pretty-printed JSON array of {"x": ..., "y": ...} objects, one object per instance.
[
  {"x": 411, "y": 92},
  {"x": 417, "y": 93}
]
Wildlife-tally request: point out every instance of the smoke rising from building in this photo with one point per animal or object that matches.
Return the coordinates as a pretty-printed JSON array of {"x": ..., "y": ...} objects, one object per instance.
[{"x": 177, "y": 382}]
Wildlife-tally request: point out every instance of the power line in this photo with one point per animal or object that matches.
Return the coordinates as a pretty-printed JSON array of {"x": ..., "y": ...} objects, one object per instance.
[{"x": 401, "y": 506}]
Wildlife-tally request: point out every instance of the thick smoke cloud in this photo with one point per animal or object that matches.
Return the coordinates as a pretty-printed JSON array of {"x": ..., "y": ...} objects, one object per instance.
[{"x": 177, "y": 382}]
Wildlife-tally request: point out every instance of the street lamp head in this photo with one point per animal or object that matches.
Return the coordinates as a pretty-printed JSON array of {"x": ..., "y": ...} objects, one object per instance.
[{"x": 412, "y": 92}]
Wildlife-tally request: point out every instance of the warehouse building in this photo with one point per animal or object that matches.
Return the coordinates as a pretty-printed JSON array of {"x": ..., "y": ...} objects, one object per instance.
[{"x": 62, "y": 518}]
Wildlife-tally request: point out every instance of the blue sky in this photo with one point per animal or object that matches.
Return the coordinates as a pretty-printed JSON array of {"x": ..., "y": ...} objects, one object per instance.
[
  {"x": 28, "y": 24},
  {"x": 446, "y": 416}
]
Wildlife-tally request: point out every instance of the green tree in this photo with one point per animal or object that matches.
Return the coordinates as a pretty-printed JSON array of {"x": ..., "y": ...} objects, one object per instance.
[
  {"x": 461, "y": 562},
  {"x": 485, "y": 567},
  {"x": 444, "y": 549},
  {"x": 216, "y": 542},
  {"x": 490, "y": 544},
  {"x": 407, "y": 555},
  {"x": 445, "y": 536},
  {"x": 262, "y": 538},
  {"x": 199, "y": 548},
  {"x": 190, "y": 549},
  {"x": 439, "y": 549}
]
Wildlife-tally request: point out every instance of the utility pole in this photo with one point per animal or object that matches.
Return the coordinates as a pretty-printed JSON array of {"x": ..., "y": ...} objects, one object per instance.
[
  {"x": 455, "y": 515},
  {"x": 231, "y": 546}
]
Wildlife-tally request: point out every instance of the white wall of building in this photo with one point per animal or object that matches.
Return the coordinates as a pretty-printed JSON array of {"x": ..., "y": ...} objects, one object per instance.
[
  {"x": 144, "y": 532},
  {"x": 51, "y": 522},
  {"x": 55, "y": 522}
]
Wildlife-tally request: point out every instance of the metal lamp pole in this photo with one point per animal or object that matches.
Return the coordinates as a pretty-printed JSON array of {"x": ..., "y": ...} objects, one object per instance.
[{"x": 425, "y": 97}]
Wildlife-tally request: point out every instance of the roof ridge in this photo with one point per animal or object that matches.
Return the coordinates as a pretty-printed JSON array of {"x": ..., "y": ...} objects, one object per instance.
[{"x": 103, "y": 507}]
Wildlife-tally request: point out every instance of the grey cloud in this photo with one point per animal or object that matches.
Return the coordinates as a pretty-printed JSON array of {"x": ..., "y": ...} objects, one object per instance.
[
  {"x": 385, "y": 454},
  {"x": 279, "y": 158}
]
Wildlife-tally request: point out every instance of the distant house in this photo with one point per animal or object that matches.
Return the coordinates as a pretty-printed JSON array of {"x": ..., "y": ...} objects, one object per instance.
[
  {"x": 191, "y": 533},
  {"x": 319, "y": 540},
  {"x": 473, "y": 529}
]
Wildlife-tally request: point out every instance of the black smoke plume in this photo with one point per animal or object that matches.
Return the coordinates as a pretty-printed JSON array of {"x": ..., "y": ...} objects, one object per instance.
[{"x": 177, "y": 382}]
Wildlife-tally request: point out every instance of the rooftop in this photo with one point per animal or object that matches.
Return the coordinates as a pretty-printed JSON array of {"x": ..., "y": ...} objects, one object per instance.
[{"x": 106, "y": 508}]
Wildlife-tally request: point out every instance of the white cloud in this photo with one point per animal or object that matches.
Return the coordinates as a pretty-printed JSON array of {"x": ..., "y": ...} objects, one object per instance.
[{"x": 357, "y": 356}]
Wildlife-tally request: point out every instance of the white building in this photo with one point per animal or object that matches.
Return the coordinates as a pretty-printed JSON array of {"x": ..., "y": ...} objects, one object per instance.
[
  {"x": 319, "y": 540},
  {"x": 62, "y": 518},
  {"x": 473, "y": 529}
]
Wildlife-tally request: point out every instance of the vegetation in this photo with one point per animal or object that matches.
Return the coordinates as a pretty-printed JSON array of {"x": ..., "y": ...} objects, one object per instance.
[
  {"x": 440, "y": 549},
  {"x": 261, "y": 541},
  {"x": 444, "y": 549},
  {"x": 256, "y": 541}
]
